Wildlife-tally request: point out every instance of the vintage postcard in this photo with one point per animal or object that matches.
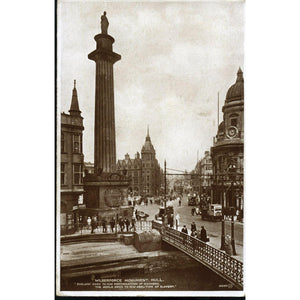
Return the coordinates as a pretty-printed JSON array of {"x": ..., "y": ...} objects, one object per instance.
[{"x": 150, "y": 148}]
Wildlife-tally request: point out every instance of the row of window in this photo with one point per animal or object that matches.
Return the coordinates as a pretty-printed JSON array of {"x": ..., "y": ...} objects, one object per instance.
[
  {"x": 77, "y": 174},
  {"x": 76, "y": 143},
  {"x": 224, "y": 163},
  {"x": 147, "y": 165}
]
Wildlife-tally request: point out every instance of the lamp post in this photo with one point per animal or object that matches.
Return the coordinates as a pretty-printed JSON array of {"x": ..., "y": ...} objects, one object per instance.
[
  {"x": 165, "y": 177},
  {"x": 232, "y": 173},
  {"x": 223, "y": 221}
]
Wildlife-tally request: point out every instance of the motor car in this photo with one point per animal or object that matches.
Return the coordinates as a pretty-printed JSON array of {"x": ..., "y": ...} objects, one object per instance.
[
  {"x": 140, "y": 215},
  {"x": 192, "y": 201}
]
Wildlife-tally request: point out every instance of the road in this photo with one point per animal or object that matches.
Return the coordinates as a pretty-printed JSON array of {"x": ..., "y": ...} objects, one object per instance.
[{"x": 213, "y": 228}]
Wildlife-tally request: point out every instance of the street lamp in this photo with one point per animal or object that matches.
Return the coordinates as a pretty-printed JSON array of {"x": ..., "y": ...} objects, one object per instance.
[
  {"x": 223, "y": 220},
  {"x": 232, "y": 173}
]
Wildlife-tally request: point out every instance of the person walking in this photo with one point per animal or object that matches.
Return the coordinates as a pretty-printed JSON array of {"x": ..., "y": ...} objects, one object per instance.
[
  {"x": 184, "y": 234},
  {"x": 112, "y": 224},
  {"x": 133, "y": 224},
  {"x": 172, "y": 221},
  {"x": 127, "y": 223},
  {"x": 121, "y": 223},
  {"x": 203, "y": 235},
  {"x": 177, "y": 218},
  {"x": 89, "y": 221},
  {"x": 104, "y": 229},
  {"x": 94, "y": 224},
  {"x": 179, "y": 201},
  {"x": 193, "y": 211},
  {"x": 193, "y": 227}
]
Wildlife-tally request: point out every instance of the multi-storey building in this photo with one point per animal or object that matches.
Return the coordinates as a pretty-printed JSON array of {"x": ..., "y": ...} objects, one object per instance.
[
  {"x": 202, "y": 175},
  {"x": 143, "y": 170},
  {"x": 71, "y": 160},
  {"x": 228, "y": 149}
]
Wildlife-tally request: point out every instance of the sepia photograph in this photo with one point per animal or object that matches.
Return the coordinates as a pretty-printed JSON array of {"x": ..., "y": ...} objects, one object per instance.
[{"x": 150, "y": 148}]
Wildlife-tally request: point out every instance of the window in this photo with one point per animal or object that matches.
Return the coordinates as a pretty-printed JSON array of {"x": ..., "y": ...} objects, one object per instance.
[
  {"x": 77, "y": 174},
  {"x": 233, "y": 122},
  {"x": 148, "y": 177},
  {"x": 62, "y": 174},
  {"x": 62, "y": 143},
  {"x": 220, "y": 164},
  {"x": 77, "y": 143}
]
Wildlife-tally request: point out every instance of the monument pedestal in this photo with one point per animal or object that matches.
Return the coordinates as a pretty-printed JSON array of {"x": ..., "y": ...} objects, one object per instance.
[{"x": 108, "y": 194}]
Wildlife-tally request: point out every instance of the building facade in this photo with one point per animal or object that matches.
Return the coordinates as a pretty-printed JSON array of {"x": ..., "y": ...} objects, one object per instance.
[
  {"x": 143, "y": 170},
  {"x": 202, "y": 175},
  {"x": 71, "y": 160},
  {"x": 228, "y": 149}
]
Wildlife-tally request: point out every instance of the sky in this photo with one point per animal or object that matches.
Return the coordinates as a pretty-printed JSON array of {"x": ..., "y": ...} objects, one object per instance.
[{"x": 176, "y": 57}]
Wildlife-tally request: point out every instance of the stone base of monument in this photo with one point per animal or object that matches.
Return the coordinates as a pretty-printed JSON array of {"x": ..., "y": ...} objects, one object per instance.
[
  {"x": 145, "y": 241},
  {"x": 107, "y": 193}
]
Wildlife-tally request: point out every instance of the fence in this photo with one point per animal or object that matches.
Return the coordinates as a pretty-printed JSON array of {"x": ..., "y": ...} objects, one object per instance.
[
  {"x": 143, "y": 225},
  {"x": 87, "y": 229}
]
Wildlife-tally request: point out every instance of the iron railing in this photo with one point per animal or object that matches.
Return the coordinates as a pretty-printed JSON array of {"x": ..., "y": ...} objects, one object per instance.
[
  {"x": 84, "y": 229},
  {"x": 226, "y": 266},
  {"x": 143, "y": 225}
]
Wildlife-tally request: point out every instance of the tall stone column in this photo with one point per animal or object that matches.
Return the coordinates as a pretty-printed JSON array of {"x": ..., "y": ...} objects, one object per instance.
[
  {"x": 105, "y": 137},
  {"x": 105, "y": 189}
]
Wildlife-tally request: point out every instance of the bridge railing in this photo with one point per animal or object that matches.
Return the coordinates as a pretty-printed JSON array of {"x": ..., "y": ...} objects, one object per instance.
[{"x": 218, "y": 261}]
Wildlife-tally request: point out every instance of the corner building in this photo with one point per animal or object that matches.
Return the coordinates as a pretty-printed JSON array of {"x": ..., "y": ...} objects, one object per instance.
[
  {"x": 71, "y": 167},
  {"x": 143, "y": 171},
  {"x": 228, "y": 149}
]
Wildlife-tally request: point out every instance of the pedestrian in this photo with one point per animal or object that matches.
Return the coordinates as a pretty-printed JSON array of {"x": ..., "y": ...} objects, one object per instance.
[
  {"x": 193, "y": 211},
  {"x": 197, "y": 211},
  {"x": 177, "y": 221},
  {"x": 172, "y": 221},
  {"x": 133, "y": 224},
  {"x": 121, "y": 223},
  {"x": 179, "y": 202},
  {"x": 104, "y": 229},
  {"x": 203, "y": 235},
  {"x": 112, "y": 224},
  {"x": 127, "y": 223},
  {"x": 89, "y": 221},
  {"x": 94, "y": 224},
  {"x": 184, "y": 233},
  {"x": 193, "y": 227}
]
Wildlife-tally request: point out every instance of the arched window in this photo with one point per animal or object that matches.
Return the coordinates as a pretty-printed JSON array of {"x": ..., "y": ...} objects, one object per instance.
[{"x": 233, "y": 119}]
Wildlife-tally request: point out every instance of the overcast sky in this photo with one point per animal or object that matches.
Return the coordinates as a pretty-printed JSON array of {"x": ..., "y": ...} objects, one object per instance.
[{"x": 175, "y": 59}]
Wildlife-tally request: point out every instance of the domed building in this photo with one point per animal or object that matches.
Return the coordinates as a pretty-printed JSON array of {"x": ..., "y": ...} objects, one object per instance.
[{"x": 228, "y": 150}]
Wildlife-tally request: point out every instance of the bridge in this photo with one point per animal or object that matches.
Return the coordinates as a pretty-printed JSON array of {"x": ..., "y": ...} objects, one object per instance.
[{"x": 216, "y": 260}]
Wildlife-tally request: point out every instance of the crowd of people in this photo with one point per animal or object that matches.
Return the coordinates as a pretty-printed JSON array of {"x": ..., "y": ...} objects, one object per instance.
[
  {"x": 199, "y": 234},
  {"x": 106, "y": 225}
]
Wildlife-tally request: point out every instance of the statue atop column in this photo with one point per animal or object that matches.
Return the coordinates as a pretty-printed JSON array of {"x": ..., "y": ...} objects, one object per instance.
[{"x": 104, "y": 23}]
